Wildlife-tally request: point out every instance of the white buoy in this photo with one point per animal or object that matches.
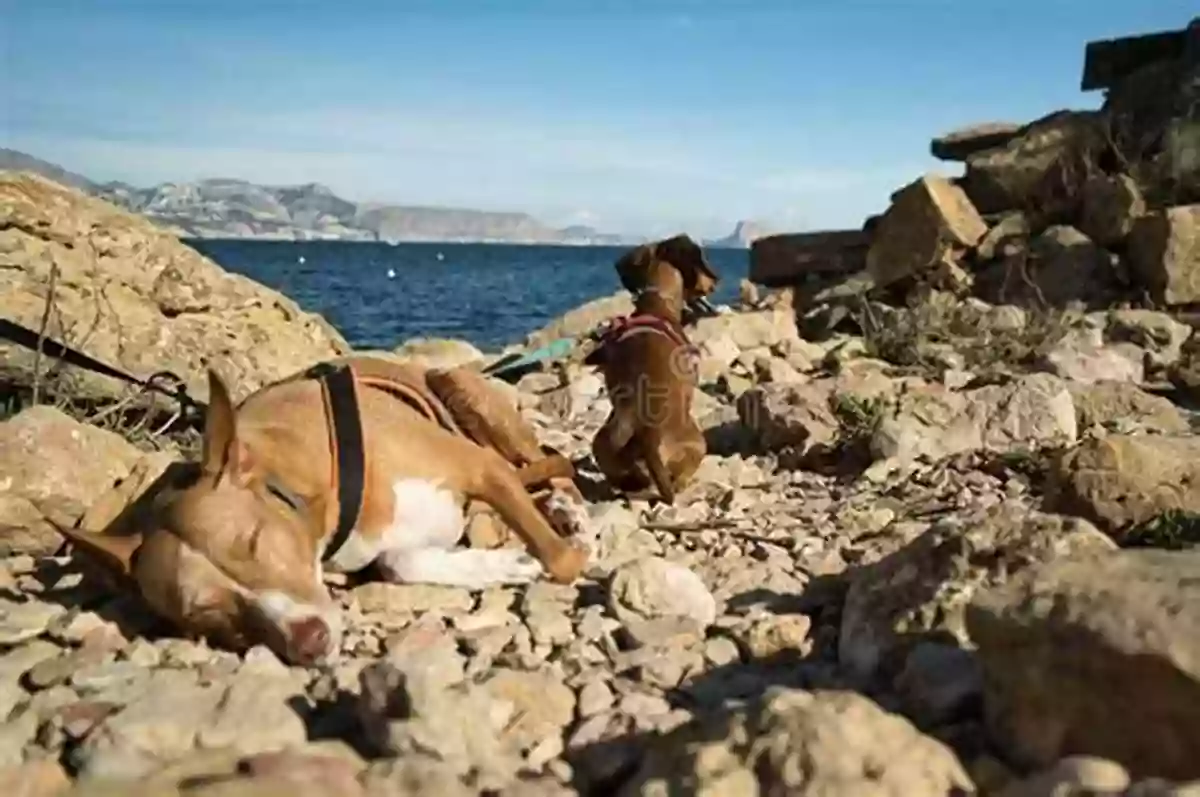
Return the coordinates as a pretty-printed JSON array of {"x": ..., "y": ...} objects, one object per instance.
[
  {"x": 391, "y": 273},
  {"x": 300, "y": 259},
  {"x": 440, "y": 256}
]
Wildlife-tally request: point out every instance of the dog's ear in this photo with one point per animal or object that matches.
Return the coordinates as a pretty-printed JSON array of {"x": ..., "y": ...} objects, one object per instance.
[
  {"x": 634, "y": 267},
  {"x": 223, "y": 452},
  {"x": 112, "y": 554},
  {"x": 683, "y": 253}
]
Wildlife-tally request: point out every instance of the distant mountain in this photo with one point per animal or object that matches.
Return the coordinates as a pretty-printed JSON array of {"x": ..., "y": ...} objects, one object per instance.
[
  {"x": 12, "y": 160},
  {"x": 744, "y": 234},
  {"x": 230, "y": 208}
]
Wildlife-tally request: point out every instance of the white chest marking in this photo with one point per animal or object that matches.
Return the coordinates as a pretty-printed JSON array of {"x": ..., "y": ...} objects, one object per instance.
[{"x": 425, "y": 516}]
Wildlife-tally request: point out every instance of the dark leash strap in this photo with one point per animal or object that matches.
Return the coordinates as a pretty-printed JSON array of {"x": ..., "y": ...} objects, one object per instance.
[
  {"x": 174, "y": 387},
  {"x": 340, "y": 390}
]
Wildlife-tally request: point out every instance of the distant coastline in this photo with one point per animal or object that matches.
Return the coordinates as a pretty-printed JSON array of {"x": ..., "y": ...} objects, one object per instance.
[{"x": 238, "y": 210}]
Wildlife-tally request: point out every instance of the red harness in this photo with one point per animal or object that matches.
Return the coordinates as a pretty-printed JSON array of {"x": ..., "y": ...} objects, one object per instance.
[{"x": 620, "y": 328}]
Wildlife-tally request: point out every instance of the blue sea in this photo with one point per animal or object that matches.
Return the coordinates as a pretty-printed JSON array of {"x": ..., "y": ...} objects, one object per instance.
[{"x": 489, "y": 294}]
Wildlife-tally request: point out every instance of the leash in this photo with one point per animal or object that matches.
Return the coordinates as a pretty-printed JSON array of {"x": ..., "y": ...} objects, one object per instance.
[
  {"x": 513, "y": 366},
  {"x": 164, "y": 383}
]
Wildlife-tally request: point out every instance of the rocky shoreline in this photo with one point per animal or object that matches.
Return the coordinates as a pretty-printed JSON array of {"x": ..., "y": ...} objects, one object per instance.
[
  {"x": 975, "y": 576},
  {"x": 940, "y": 546}
]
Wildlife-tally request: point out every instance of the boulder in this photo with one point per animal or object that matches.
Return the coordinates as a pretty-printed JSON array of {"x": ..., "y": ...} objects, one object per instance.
[
  {"x": 1123, "y": 407},
  {"x": 797, "y": 416},
  {"x": 795, "y": 742},
  {"x": 920, "y": 593},
  {"x": 1014, "y": 176},
  {"x": 438, "y": 352},
  {"x": 805, "y": 258},
  {"x": 1096, "y": 656},
  {"x": 1158, "y": 334},
  {"x": 932, "y": 422},
  {"x": 929, "y": 222},
  {"x": 1111, "y": 206},
  {"x": 958, "y": 145},
  {"x": 582, "y": 319},
  {"x": 1122, "y": 480},
  {"x": 1164, "y": 254},
  {"x": 1008, "y": 236},
  {"x": 54, "y": 469},
  {"x": 1060, "y": 266},
  {"x": 1081, "y": 356},
  {"x": 759, "y": 329},
  {"x": 135, "y": 297}
]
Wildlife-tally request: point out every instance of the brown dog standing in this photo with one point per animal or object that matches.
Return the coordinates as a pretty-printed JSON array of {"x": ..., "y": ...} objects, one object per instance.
[
  {"x": 650, "y": 442},
  {"x": 233, "y": 548}
]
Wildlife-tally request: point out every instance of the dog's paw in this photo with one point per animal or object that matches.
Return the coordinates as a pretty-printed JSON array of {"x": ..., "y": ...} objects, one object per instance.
[{"x": 568, "y": 516}]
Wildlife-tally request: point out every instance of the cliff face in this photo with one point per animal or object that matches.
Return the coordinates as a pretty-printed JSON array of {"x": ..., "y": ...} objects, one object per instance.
[{"x": 229, "y": 208}]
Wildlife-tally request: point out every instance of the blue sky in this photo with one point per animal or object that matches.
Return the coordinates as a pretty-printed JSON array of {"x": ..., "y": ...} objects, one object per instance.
[{"x": 632, "y": 115}]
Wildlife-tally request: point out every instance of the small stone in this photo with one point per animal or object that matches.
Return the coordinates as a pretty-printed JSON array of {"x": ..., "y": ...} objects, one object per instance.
[
  {"x": 772, "y": 636},
  {"x": 105, "y": 676},
  {"x": 721, "y": 651},
  {"x": 594, "y": 698},
  {"x": 23, "y": 621},
  {"x": 379, "y": 597},
  {"x": 654, "y": 588}
]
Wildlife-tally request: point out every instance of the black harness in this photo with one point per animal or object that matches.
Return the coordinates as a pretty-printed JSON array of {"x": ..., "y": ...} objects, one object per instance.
[{"x": 340, "y": 390}]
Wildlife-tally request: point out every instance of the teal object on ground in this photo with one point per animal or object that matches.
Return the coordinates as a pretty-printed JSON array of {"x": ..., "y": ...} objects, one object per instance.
[{"x": 519, "y": 362}]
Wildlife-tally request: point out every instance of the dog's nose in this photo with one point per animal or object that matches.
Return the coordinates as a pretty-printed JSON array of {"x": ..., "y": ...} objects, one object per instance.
[{"x": 310, "y": 638}]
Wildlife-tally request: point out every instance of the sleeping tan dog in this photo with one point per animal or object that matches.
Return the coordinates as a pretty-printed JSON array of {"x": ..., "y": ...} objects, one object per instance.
[
  {"x": 234, "y": 548},
  {"x": 650, "y": 443}
]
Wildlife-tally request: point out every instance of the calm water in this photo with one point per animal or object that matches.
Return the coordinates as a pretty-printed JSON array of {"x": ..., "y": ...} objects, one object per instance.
[{"x": 491, "y": 295}]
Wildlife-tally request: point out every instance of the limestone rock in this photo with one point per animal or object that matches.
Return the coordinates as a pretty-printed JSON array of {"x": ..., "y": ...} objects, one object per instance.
[
  {"x": 782, "y": 415},
  {"x": 158, "y": 727},
  {"x": 932, "y": 422},
  {"x": 1014, "y": 175},
  {"x": 1082, "y": 356},
  {"x": 795, "y": 742},
  {"x": 1064, "y": 265},
  {"x": 958, "y": 145},
  {"x": 929, "y": 220},
  {"x": 759, "y": 329},
  {"x": 1096, "y": 656},
  {"x": 920, "y": 593},
  {"x": 542, "y": 709},
  {"x": 1007, "y": 237},
  {"x": 653, "y": 588},
  {"x": 1157, "y": 333},
  {"x": 54, "y": 468},
  {"x": 582, "y": 319},
  {"x": 1119, "y": 481},
  {"x": 408, "y": 707},
  {"x": 1111, "y": 206},
  {"x": 438, "y": 352},
  {"x": 1185, "y": 374},
  {"x": 1164, "y": 253},
  {"x": 136, "y": 298},
  {"x": 1124, "y": 407}
]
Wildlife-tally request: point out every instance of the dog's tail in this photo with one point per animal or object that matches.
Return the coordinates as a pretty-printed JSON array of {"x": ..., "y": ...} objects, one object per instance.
[{"x": 658, "y": 471}]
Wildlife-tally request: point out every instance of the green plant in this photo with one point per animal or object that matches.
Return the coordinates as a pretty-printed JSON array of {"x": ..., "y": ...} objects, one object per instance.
[
  {"x": 1172, "y": 530},
  {"x": 858, "y": 417}
]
